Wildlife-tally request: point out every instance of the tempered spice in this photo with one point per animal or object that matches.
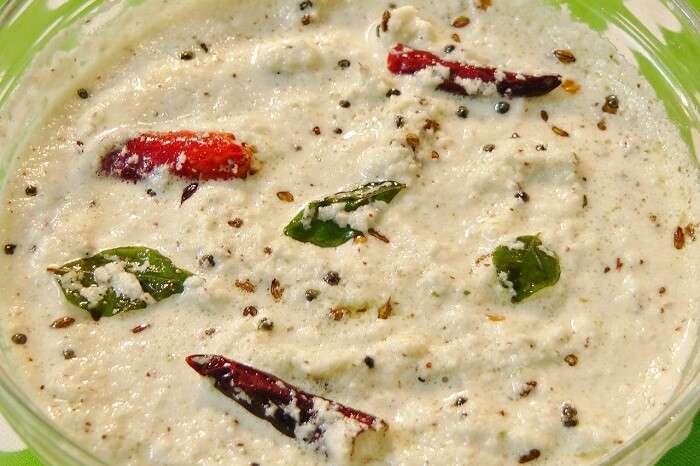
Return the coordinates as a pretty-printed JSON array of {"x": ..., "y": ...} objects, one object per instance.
[
  {"x": 611, "y": 104},
  {"x": 679, "y": 238},
  {"x": 528, "y": 388},
  {"x": 235, "y": 223},
  {"x": 250, "y": 311},
  {"x": 431, "y": 125},
  {"x": 413, "y": 141},
  {"x": 564, "y": 56},
  {"x": 523, "y": 196},
  {"x": 360, "y": 239},
  {"x": 276, "y": 289},
  {"x": 311, "y": 294},
  {"x": 569, "y": 415},
  {"x": 689, "y": 231},
  {"x": 375, "y": 234},
  {"x": 571, "y": 86},
  {"x": 460, "y": 22},
  {"x": 385, "y": 311},
  {"x": 285, "y": 196},
  {"x": 63, "y": 322},
  {"x": 188, "y": 192},
  {"x": 265, "y": 324},
  {"x": 483, "y": 4},
  {"x": 532, "y": 455},
  {"x": 140, "y": 328},
  {"x": 207, "y": 260},
  {"x": 560, "y": 132},
  {"x": 502, "y": 107},
  {"x": 386, "y": 16},
  {"x": 332, "y": 278},
  {"x": 338, "y": 313}
]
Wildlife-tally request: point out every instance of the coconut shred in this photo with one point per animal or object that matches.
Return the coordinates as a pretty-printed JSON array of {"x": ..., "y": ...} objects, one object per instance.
[{"x": 455, "y": 232}]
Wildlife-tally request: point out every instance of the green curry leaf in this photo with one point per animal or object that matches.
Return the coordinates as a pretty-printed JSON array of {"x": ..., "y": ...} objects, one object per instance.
[
  {"x": 308, "y": 228},
  {"x": 527, "y": 268},
  {"x": 158, "y": 276}
]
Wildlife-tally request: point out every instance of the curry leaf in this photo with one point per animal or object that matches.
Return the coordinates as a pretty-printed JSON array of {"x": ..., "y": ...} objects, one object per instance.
[
  {"x": 108, "y": 283},
  {"x": 527, "y": 268},
  {"x": 308, "y": 228}
]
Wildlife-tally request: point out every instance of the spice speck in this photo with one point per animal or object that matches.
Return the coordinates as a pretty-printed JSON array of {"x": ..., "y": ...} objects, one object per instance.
[
  {"x": 611, "y": 105},
  {"x": 265, "y": 324},
  {"x": 571, "y": 359},
  {"x": 250, "y": 311},
  {"x": 569, "y": 415},
  {"x": 332, "y": 278},
  {"x": 460, "y": 22},
  {"x": 63, "y": 322},
  {"x": 311, "y": 294},
  {"x": 564, "y": 56},
  {"x": 285, "y": 196},
  {"x": 502, "y": 107},
  {"x": 532, "y": 455}
]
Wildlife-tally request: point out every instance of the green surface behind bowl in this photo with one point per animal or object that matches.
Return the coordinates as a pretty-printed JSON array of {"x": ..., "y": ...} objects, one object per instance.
[{"x": 670, "y": 61}]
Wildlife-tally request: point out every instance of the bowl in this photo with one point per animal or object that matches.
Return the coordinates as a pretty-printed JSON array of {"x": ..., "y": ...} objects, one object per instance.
[{"x": 661, "y": 36}]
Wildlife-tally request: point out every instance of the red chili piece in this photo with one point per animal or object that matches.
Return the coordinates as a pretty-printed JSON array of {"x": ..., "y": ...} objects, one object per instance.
[
  {"x": 195, "y": 156},
  {"x": 290, "y": 410},
  {"x": 404, "y": 60}
]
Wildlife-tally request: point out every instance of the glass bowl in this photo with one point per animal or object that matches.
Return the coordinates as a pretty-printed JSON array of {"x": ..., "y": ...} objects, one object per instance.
[{"x": 661, "y": 36}]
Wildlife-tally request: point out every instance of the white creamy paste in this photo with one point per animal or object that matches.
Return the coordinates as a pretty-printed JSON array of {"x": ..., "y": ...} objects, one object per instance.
[{"x": 453, "y": 371}]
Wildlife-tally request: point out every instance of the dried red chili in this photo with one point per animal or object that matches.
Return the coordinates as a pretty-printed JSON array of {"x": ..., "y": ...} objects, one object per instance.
[{"x": 404, "y": 60}]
